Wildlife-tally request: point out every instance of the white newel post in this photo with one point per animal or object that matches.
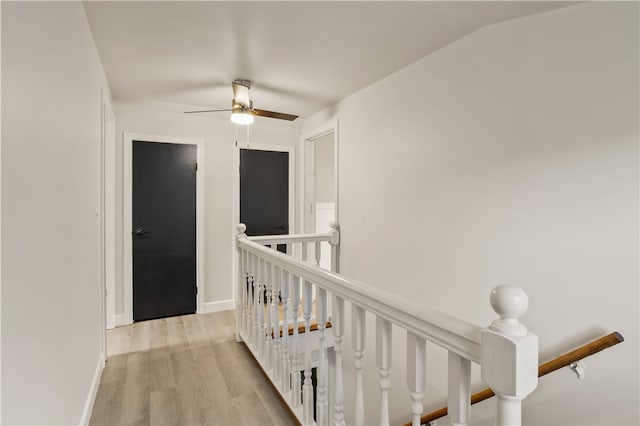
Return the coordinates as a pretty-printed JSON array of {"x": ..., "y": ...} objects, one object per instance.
[
  {"x": 241, "y": 228},
  {"x": 509, "y": 354}
]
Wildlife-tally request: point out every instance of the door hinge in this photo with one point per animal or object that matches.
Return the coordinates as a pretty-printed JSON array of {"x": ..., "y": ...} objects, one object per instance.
[
  {"x": 196, "y": 167},
  {"x": 196, "y": 289}
]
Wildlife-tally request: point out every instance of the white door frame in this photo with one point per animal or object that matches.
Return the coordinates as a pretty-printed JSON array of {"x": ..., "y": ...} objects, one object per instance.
[
  {"x": 305, "y": 158},
  {"x": 108, "y": 200},
  {"x": 128, "y": 139},
  {"x": 236, "y": 193}
]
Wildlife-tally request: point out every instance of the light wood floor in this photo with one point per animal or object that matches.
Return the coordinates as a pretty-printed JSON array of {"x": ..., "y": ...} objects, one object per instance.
[{"x": 184, "y": 370}]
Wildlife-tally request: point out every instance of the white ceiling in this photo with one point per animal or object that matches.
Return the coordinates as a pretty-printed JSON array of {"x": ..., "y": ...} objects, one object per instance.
[{"x": 301, "y": 56}]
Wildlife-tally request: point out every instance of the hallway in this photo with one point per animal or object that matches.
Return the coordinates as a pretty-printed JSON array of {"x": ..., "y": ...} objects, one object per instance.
[{"x": 185, "y": 370}]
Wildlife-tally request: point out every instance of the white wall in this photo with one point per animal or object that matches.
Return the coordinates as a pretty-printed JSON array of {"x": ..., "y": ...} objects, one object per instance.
[
  {"x": 324, "y": 169},
  {"x": 220, "y": 223},
  {"x": 51, "y": 108},
  {"x": 514, "y": 160}
]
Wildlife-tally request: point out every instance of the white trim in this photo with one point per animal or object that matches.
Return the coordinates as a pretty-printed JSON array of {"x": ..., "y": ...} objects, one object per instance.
[
  {"x": 218, "y": 306},
  {"x": 93, "y": 391},
  {"x": 325, "y": 206},
  {"x": 121, "y": 320},
  {"x": 128, "y": 139},
  {"x": 108, "y": 197},
  {"x": 327, "y": 128}
]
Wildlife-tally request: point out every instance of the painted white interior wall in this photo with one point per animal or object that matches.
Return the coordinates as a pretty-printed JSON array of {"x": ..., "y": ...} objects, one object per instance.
[
  {"x": 220, "y": 223},
  {"x": 51, "y": 128},
  {"x": 324, "y": 169},
  {"x": 514, "y": 159}
]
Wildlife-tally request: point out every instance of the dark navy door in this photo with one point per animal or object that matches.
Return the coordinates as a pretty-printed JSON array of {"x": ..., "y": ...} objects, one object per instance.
[{"x": 164, "y": 229}]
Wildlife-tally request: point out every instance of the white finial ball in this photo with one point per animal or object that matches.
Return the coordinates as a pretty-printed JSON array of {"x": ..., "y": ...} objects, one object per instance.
[
  {"x": 241, "y": 228},
  {"x": 509, "y": 301},
  {"x": 333, "y": 224}
]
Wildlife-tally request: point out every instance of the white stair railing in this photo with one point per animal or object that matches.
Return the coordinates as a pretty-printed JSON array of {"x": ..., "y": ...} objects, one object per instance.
[{"x": 278, "y": 293}]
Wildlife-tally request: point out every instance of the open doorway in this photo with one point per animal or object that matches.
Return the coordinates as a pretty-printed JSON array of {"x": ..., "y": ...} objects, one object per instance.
[{"x": 321, "y": 185}]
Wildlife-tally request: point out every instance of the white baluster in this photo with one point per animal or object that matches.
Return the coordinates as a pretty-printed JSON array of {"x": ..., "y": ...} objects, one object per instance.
[
  {"x": 318, "y": 253},
  {"x": 383, "y": 359},
  {"x": 262, "y": 302},
  {"x": 307, "y": 386},
  {"x": 241, "y": 228},
  {"x": 358, "y": 340},
  {"x": 247, "y": 302},
  {"x": 338, "y": 332},
  {"x": 295, "y": 346},
  {"x": 256, "y": 304},
  {"x": 248, "y": 278},
  {"x": 284, "y": 349},
  {"x": 335, "y": 246},
  {"x": 276, "y": 324},
  {"x": 245, "y": 280},
  {"x": 254, "y": 309},
  {"x": 509, "y": 354},
  {"x": 268, "y": 339},
  {"x": 459, "y": 400},
  {"x": 267, "y": 311},
  {"x": 416, "y": 371},
  {"x": 321, "y": 373}
]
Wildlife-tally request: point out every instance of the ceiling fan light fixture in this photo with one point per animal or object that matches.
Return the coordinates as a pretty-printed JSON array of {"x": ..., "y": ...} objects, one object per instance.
[{"x": 241, "y": 116}]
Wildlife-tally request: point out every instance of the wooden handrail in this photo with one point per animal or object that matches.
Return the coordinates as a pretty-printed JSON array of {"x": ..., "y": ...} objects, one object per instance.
[{"x": 544, "y": 369}]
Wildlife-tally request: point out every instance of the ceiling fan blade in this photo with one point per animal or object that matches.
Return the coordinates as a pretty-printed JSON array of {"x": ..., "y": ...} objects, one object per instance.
[
  {"x": 207, "y": 110},
  {"x": 273, "y": 114}
]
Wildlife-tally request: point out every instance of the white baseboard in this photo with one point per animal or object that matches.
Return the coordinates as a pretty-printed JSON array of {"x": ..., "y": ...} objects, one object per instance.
[
  {"x": 93, "y": 391},
  {"x": 221, "y": 305},
  {"x": 121, "y": 320}
]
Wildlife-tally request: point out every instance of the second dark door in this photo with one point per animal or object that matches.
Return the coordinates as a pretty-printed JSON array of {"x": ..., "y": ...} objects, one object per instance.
[
  {"x": 164, "y": 229},
  {"x": 264, "y": 192}
]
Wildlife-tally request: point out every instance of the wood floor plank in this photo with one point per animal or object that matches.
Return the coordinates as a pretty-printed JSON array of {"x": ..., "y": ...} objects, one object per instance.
[
  {"x": 184, "y": 370},
  {"x": 136, "y": 393},
  {"x": 254, "y": 412},
  {"x": 163, "y": 409}
]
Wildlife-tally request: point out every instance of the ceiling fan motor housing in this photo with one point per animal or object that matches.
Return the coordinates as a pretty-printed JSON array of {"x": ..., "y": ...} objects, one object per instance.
[{"x": 241, "y": 94}]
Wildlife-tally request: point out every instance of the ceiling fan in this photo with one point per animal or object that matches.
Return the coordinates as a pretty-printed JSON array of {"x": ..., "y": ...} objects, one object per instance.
[{"x": 242, "y": 110}]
